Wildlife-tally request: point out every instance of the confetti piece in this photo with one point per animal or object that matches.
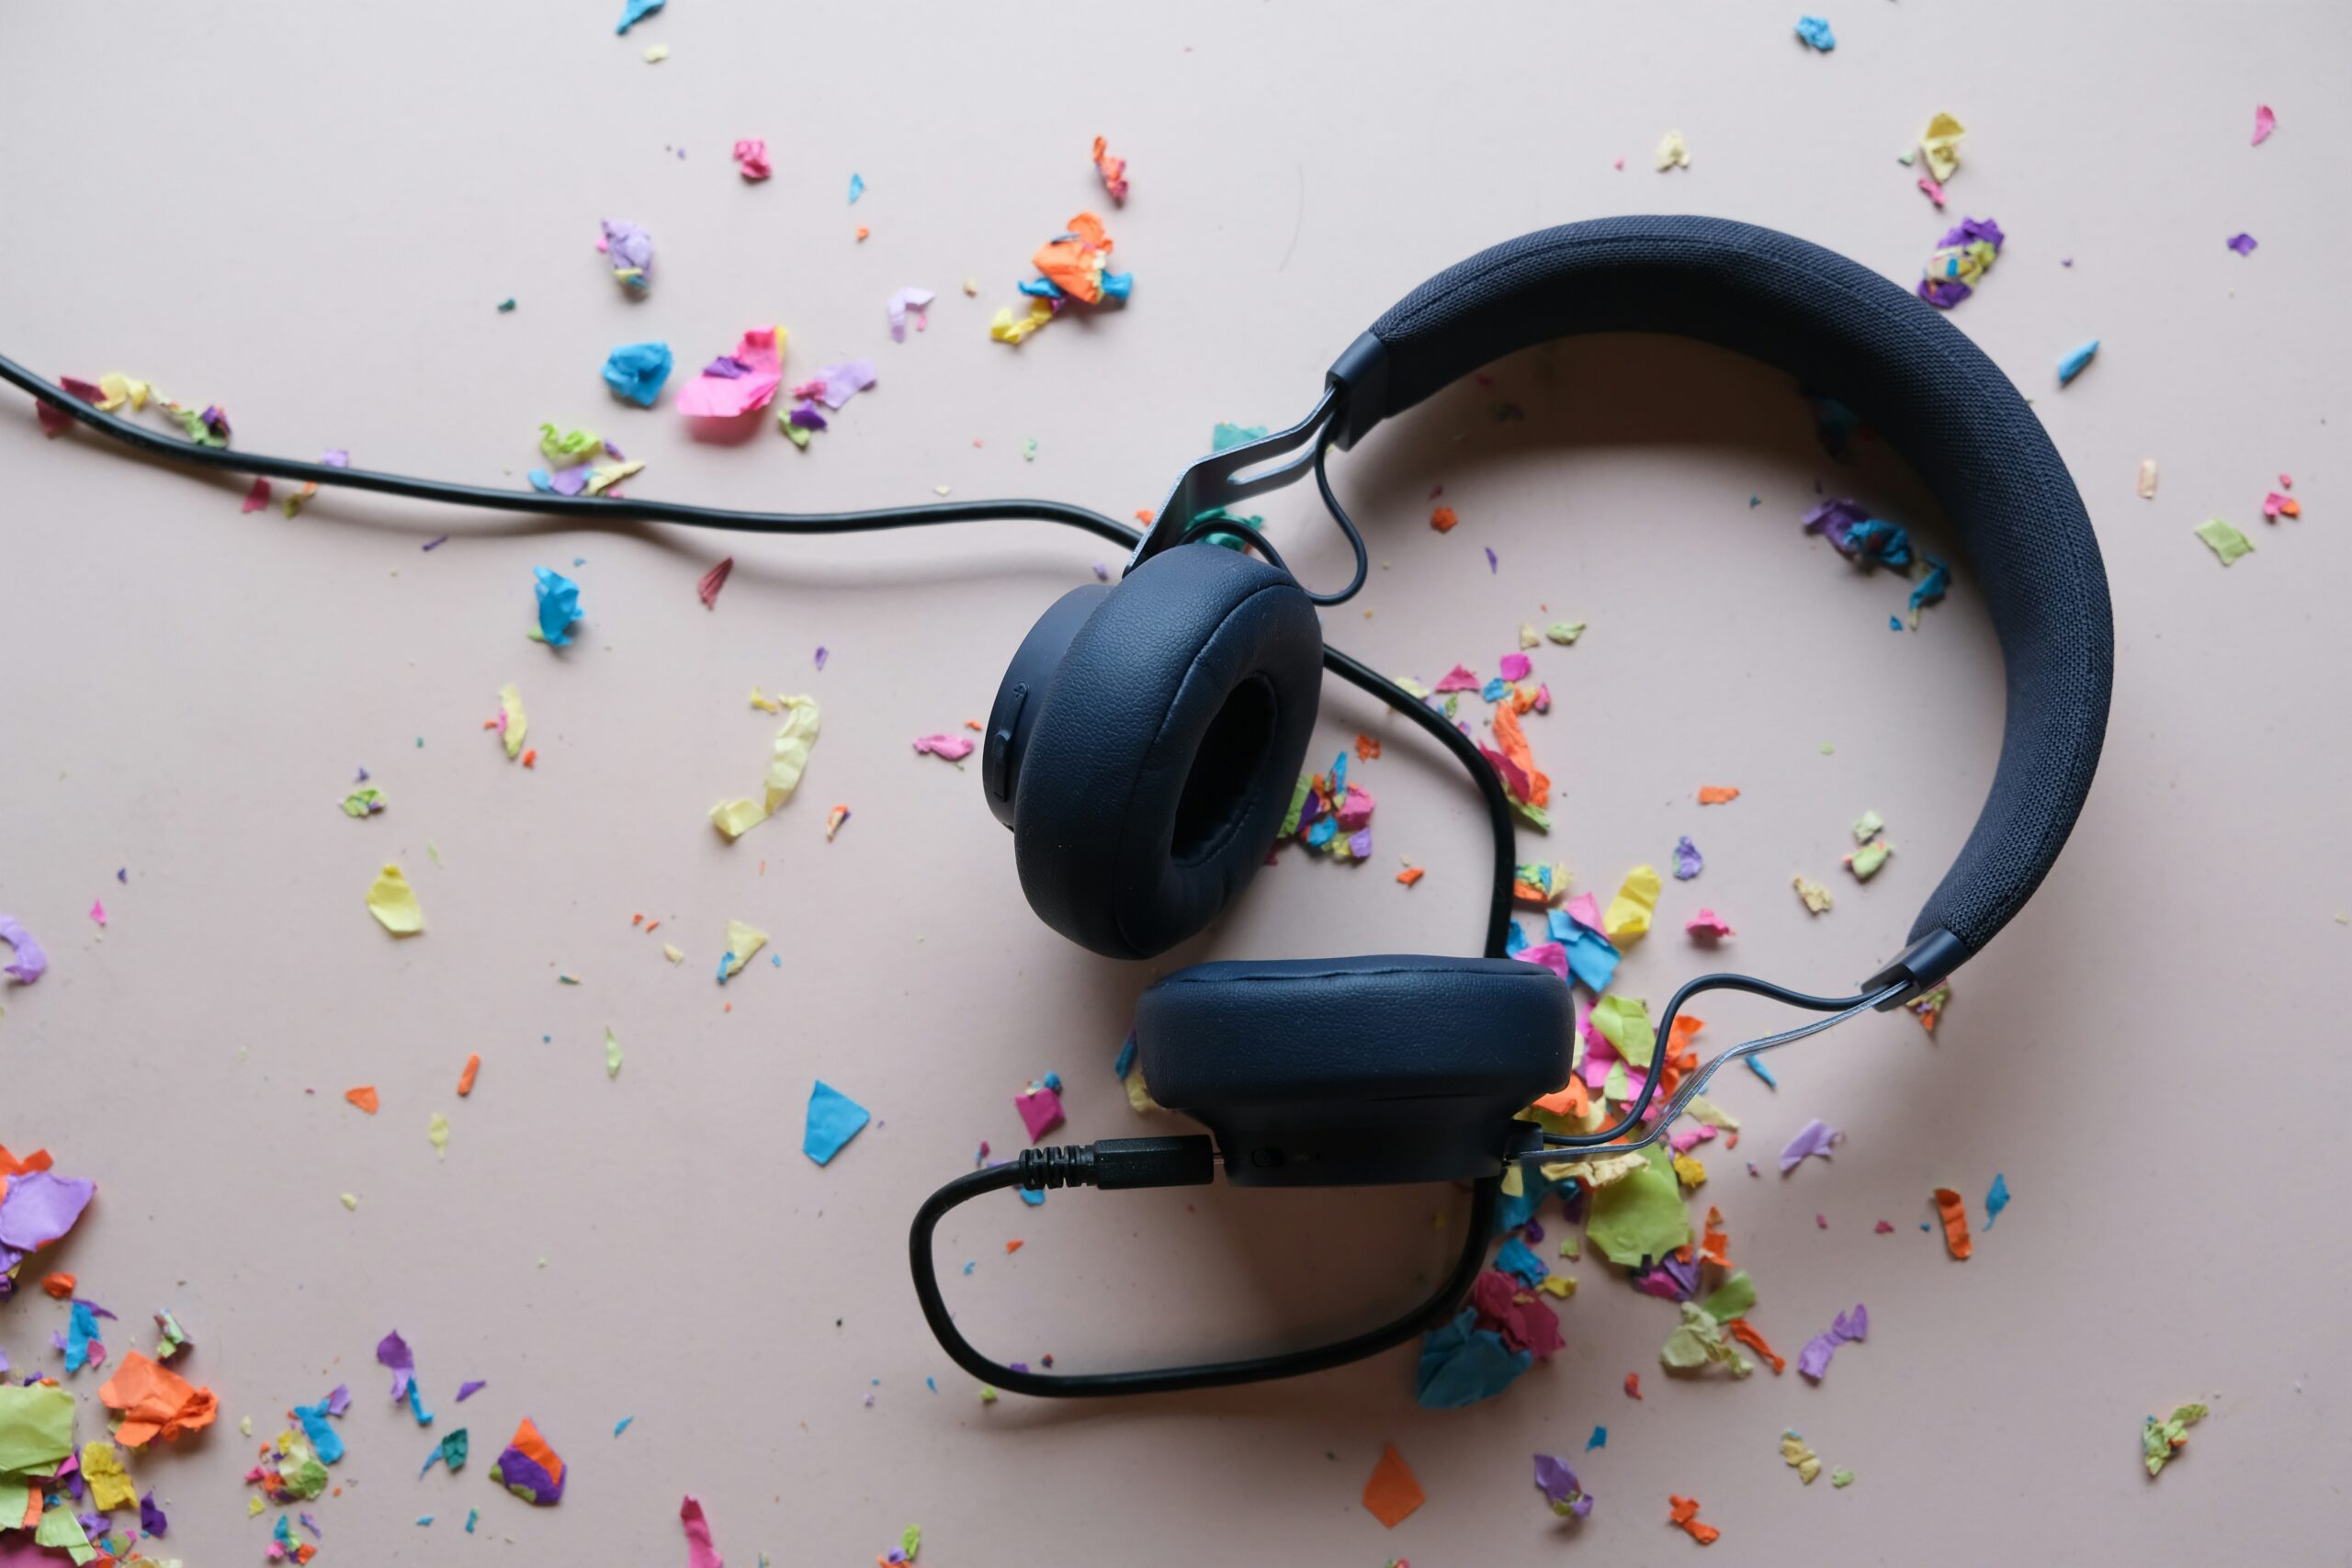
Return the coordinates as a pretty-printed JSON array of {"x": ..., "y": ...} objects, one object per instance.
[
  {"x": 1816, "y": 897},
  {"x": 1815, "y": 30},
  {"x": 637, "y": 371},
  {"x": 1812, "y": 1361},
  {"x": 98, "y": 912},
  {"x": 466, "y": 1079},
  {"x": 2244, "y": 244},
  {"x": 738, "y": 383},
  {"x": 364, "y": 1097},
  {"x": 1688, "y": 863},
  {"x": 1940, "y": 145},
  {"x": 2225, "y": 541},
  {"x": 952, "y": 748},
  {"x": 1041, "y": 1109},
  {"x": 833, "y": 1119},
  {"x": 257, "y": 497},
  {"x": 1411, "y": 874},
  {"x": 1953, "y": 1211},
  {"x": 155, "y": 1402},
  {"x": 654, "y": 55},
  {"x": 1632, "y": 1385},
  {"x": 1800, "y": 1457},
  {"x": 751, "y": 155},
  {"x": 1960, "y": 262},
  {"x": 612, "y": 1053},
  {"x": 1444, "y": 519},
  {"x": 1996, "y": 1200},
  {"x": 2075, "y": 360},
  {"x": 1561, "y": 1488},
  {"x": 530, "y": 1468},
  {"x": 513, "y": 723},
  {"x": 2264, "y": 122},
  {"x": 630, "y": 251},
  {"x": 1717, "y": 794},
  {"x": 28, "y": 962},
  {"x": 1684, "y": 1511},
  {"x": 1112, "y": 170},
  {"x": 1740, "y": 1329},
  {"x": 393, "y": 903},
  {"x": 1565, "y": 632},
  {"x": 437, "y": 1133},
  {"x": 856, "y": 188},
  {"x": 636, "y": 11},
  {"x": 789, "y": 760},
  {"x": 834, "y": 820},
  {"x": 2161, "y": 1442},
  {"x": 1391, "y": 1493},
  {"x": 351, "y": 1200},
  {"x": 1673, "y": 153},
  {"x": 1628, "y": 920},
  {"x": 2147, "y": 478},
  {"x": 1813, "y": 1138},
  {"x": 905, "y": 302},
  {"x": 59, "y": 1286}
]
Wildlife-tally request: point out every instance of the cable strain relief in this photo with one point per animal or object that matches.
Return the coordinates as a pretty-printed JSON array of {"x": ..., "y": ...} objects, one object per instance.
[{"x": 1061, "y": 1165}]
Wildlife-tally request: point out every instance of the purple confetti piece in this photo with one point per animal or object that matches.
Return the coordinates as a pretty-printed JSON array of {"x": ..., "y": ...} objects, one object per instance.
[
  {"x": 1813, "y": 1138},
  {"x": 436, "y": 544},
  {"x": 1490, "y": 559},
  {"x": 468, "y": 1390},
  {"x": 153, "y": 1519},
  {"x": 2242, "y": 243},
  {"x": 1687, "y": 861},
  {"x": 822, "y": 654},
  {"x": 392, "y": 1351}
]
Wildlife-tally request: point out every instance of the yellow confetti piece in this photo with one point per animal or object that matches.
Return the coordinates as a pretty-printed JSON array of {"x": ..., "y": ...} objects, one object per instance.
[
  {"x": 117, "y": 390},
  {"x": 110, "y": 1485},
  {"x": 1816, "y": 896},
  {"x": 351, "y": 1200},
  {"x": 437, "y": 1133},
  {"x": 510, "y": 703},
  {"x": 656, "y": 53},
  {"x": 2147, "y": 478},
  {"x": 1690, "y": 1172},
  {"x": 672, "y": 954},
  {"x": 253, "y": 1505},
  {"x": 1801, "y": 1458},
  {"x": 394, "y": 902},
  {"x": 785, "y": 764},
  {"x": 1673, "y": 153},
  {"x": 612, "y": 1053},
  {"x": 1628, "y": 920},
  {"x": 742, "y": 941},
  {"x": 987, "y": 1395},
  {"x": 1940, "y": 142},
  {"x": 1560, "y": 1285},
  {"x": 1005, "y": 327}
]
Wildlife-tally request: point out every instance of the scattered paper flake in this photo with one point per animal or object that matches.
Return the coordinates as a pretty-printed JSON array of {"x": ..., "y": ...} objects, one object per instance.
[
  {"x": 1112, "y": 170},
  {"x": 1816, "y": 897},
  {"x": 1565, "y": 632},
  {"x": 2242, "y": 242},
  {"x": 1684, "y": 1511},
  {"x": 742, "y": 941},
  {"x": 530, "y": 1468},
  {"x": 1813, "y": 1138},
  {"x": 636, "y": 11},
  {"x": 833, "y": 1119},
  {"x": 394, "y": 902},
  {"x": 751, "y": 155},
  {"x": 257, "y": 498},
  {"x": 905, "y": 302},
  {"x": 1628, "y": 920},
  {"x": 953, "y": 747},
  {"x": 2264, "y": 122},
  {"x": 708, "y": 586},
  {"x": 700, "y": 1552},
  {"x": 1815, "y": 30},
  {"x": 1462, "y": 1364},
  {"x": 2225, "y": 541},
  {"x": 630, "y": 248},
  {"x": 2147, "y": 486},
  {"x": 1688, "y": 863},
  {"x": 512, "y": 723},
  {"x": 558, "y": 599},
  {"x": 1953, "y": 1209},
  {"x": 789, "y": 760},
  {"x": 2161, "y": 1442},
  {"x": 612, "y": 1053},
  {"x": 1640, "y": 1218},
  {"x": 1717, "y": 794},
  {"x": 1800, "y": 1457},
  {"x": 738, "y": 383},
  {"x": 1940, "y": 145},
  {"x": 1996, "y": 1200},
  {"x": 2077, "y": 358},
  {"x": 1561, "y": 1488},
  {"x": 1960, "y": 262},
  {"x": 364, "y": 1097},
  {"x": 155, "y": 1402},
  {"x": 437, "y": 1133},
  {"x": 1812, "y": 1361},
  {"x": 1673, "y": 153},
  {"x": 28, "y": 962},
  {"x": 1390, "y": 1494}
]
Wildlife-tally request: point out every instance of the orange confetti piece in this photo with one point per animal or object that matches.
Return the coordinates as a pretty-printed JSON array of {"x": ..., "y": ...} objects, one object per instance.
[
  {"x": 1444, "y": 519},
  {"x": 1570, "y": 1101},
  {"x": 637, "y": 920},
  {"x": 155, "y": 1402},
  {"x": 1015, "y": 1245},
  {"x": 59, "y": 1285},
  {"x": 862, "y": 231},
  {"x": 1714, "y": 1245},
  {"x": 1717, "y": 794},
  {"x": 1075, "y": 265},
  {"x": 11, "y": 1166},
  {"x": 1112, "y": 170},
  {"x": 653, "y": 926},
  {"x": 1632, "y": 1385},
  {"x": 531, "y": 758},
  {"x": 1953, "y": 1208},
  {"x": 1512, "y": 739},
  {"x": 1367, "y": 748},
  {"x": 1684, "y": 1511},
  {"x": 1392, "y": 1492},
  {"x": 363, "y": 1097},
  {"x": 1411, "y": 874},
  {"x": 975, "y": 725},
  {"x": 466, "y": 1079},
  {"x": 1144, "y": 514},
  {"x": 1739, "y": 1329}
]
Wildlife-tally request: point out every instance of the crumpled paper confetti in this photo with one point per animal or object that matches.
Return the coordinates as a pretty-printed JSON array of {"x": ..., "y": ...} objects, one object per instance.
[
  {"x": 2161, "y": 1442},
  {"x": 786, "y": 763},
  {"x": 738, "y": 383},
  {"x": 1673, "y": 153},
  {"x": 905, "y": 302},
  {"x": 1960, "y": 262},
  {"x": 627, "y": 246},
  {"x": 1815, "y": 30},
  {"x": 1812, "y": 1361},
  {"x": 394, "y": 902},
  {"x": 28, "y": 962},
  {"x": 155, "y": 1402},
  {"x": 530, "y": 1468},
  {"x": 558, "y": 599},
  {"x": 1561, "y": 1488},
  {"x": 638, "y": 370}
]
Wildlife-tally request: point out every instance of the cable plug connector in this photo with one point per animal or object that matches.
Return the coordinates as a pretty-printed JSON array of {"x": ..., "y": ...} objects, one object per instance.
[{"x": 1117, "y": 1163}]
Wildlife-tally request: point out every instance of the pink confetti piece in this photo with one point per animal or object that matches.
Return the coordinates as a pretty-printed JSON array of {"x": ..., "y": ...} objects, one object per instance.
[
  {"x": 711, "y": 582},
  {"x": 2264, "y": 122},
  {"x": 954, "y": 748},
  {"x": 257, "y": 497},
  {"x": 98, "y": 911}
]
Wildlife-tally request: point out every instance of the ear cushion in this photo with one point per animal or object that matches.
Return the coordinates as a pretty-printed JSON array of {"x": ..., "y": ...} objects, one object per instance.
[
  {"x": 1321, "y": 1031},
  {"x": 1164, "y": 754}
]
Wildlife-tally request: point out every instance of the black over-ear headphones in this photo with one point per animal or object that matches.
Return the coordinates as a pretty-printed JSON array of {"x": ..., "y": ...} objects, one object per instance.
[{"x": 1146, "y": 741}]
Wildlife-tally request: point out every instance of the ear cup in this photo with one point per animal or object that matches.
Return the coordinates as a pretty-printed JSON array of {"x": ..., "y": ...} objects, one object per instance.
[
  {"x": 1161, "y": 758},
  {"x": 1391, "y": 1068}
]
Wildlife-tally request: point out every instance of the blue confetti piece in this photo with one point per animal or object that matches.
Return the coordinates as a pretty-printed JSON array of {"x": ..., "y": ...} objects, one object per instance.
[
  {"x": 637, "y": 371},
  {"x": 1518, "y": 1259},
  {"x": 1755, "y": 1065},
  {"x": 1930, "y": 589},
  {"x": 473, "y": 1516},
  {"x": 969, "y": 1266},
  {"x": 1997, "y": 1200},
  {"x": 1894, "y": 623},
  {"x": 856, "y": 188},
  {"x": 1495, "y": 690},
  {"x": 726, "y": 960},
  {"x": 1126, "y": 1057},
  {"x": 558, "y": 605},
  {"x": 1052, "y": 1081},
  {"x": 636, "y": 11},
  {"x": 1034, "y": 1200},
  {"x": 622, "y": 1425},
  {"x": 1462, "y": 1365},
  {"x": 2077, "y": 358},
  {"x": 1816, "y": 31},
  {"x": 424, "y": 1519},
  {"x": 416, "y": 1404},
  {"x": 932, "y": 1384},
  {"x": 833, "y": 1119},
  {"x": 1039, "y": 288},
  {"x": 776, "y": 959},
  {"x": 1599, "y": 1439}
]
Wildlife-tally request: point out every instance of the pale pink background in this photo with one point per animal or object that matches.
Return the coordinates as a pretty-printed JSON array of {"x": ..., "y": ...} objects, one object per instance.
[{"x": 308, "y": 212}]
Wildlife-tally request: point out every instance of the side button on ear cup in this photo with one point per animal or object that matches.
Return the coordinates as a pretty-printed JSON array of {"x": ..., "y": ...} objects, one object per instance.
[
  {"x": 1150, "y": 774},
  {"x": 1022, "y": 693}
]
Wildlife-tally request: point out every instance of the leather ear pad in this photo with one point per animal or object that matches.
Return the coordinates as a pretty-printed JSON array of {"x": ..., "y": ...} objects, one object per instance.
[
  {"x": 1319, "y": 1032},
  {"x": 1165, "y": 752}
]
